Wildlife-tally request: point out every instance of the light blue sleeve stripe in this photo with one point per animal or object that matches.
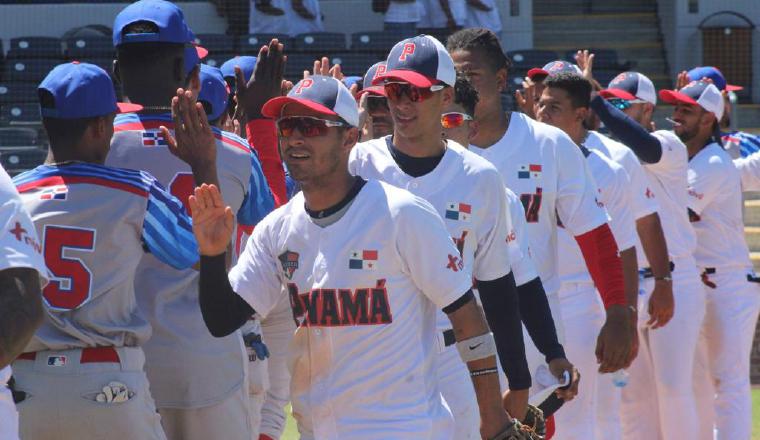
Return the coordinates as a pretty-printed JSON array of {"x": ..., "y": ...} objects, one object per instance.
[
  {"x": 259, "y": 200},
  {"x": 167, "y": 231}
]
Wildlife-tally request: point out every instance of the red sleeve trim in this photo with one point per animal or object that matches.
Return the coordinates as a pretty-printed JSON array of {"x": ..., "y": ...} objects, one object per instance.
[
  {"x": 262, "y": 136},
  {"x": 601, "y": 254}
]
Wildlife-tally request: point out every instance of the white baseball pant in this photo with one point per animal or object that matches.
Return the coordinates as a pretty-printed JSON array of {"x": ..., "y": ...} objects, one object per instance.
[
  {"x": 456, "y": 386},
  {"x": 8, "y": 414},
  {"x": 257, "y": 377},
  {"x": 608, "y": 425},
  {"x": 582, "y": 318},
  {"x": 729, "y": 326},
  {"x": 659, "y": 401}
]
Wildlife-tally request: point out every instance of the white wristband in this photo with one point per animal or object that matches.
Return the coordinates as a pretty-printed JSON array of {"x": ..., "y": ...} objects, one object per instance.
[{"x": 478, "y": 347}]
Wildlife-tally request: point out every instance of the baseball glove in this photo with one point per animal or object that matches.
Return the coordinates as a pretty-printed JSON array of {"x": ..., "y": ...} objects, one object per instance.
[
  {"x": 534, "y": 420},
  {"x": 518, "y": 431}
]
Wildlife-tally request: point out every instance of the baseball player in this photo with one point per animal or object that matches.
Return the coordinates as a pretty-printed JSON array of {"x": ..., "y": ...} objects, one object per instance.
[
  {"x": 198, "y": 381},
  {"x": 564, "y": 104},
  {"x": 665, "y": 362},
  {"x": 379, "y": 122},
  {"x": 528, "y": 155},
  {"x": 22, "y": 271},
  {"x": 715, "y": 211},
  {"x": 467, "y": 192},
  {"x": 362, "y": 356},
  {"x": 81, "y": 375}
]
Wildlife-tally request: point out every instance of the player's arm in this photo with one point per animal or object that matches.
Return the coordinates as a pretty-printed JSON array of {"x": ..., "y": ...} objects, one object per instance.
[
  {"x": 167, "y": 231},
  {"x": 21, "y": 310},
  {"x": 259, "y": 199},
  {"x": 646, "y": 146},
  {"x": 749, "y": 170}
]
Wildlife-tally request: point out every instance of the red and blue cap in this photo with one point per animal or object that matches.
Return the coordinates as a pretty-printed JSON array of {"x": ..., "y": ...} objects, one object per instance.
[
  {"x": 422, "y": 61},
  {"x": 377, "y": 69},
  {"x": 323, "y": 94},
  {"x": 167, "y": 17},
  {"x": 713, "y": 74},
  {"x": 701, "y": 93},
  {"x": 81, "y": 90},
  {"x": 631, "y": 86},
  {"x": 246, "y": 63},
  {"x": 214, "y": 91},
  {"x": 554, "y": 68}
]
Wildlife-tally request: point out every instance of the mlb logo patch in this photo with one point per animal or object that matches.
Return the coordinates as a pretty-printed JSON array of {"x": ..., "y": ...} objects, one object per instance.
[
  {"x": 531, "y": 171},
  {"x": 56, "y": 361},
  {"x": 458, "y": 211},
  {"x": 363, "y": 260},
  {"x": 58, "y": 192},
  {"x": 153, "y": 139}
]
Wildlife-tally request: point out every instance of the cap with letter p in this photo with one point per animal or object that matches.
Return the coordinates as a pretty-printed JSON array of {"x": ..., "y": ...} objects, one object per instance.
[
  {"x": 554, "y": 68},
  {"x": 80, "y": 90},
  {"x": 700, "y": 93},
  {"x": 323, "y": 94},
  {"x": 373, "y": 72},
  {"x": 422, "y": 61},
  {"x": 631, "y": 86}
]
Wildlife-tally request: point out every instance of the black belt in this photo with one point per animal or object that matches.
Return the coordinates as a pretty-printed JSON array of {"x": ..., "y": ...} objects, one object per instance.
[
  {"x": 449, "y": 338},
  {"x": 647, "y": 271}
]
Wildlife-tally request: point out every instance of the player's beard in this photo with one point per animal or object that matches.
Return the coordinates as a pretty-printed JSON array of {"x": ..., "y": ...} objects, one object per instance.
[{"x": 686, "y": 134}]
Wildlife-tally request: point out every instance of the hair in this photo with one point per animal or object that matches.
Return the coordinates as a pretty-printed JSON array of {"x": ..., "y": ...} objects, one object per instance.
[
  {"x": 479, "y": 39},
  {"x": 465, "y": 94},
  {"x": 147, "y": 56},
  {"x": 576, "y": 86},
  {"x": 62, "y": 132}
]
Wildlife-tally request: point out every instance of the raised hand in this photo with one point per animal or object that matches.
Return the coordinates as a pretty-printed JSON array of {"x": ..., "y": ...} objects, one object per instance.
[
  {"x": 526, "y": 100},
  {"x": 266, "y": 81},
  {"x": 682, "y": 80},
  {"x": 322, "y": 67},
  {"x": 585, "y": 60},
  {"x": 213, "y": 222},
  {"x": 365, "y": 118}
]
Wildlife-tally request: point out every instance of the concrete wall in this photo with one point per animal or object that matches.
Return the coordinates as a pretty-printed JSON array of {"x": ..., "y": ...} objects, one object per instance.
[{"x": 683, "y": 39}]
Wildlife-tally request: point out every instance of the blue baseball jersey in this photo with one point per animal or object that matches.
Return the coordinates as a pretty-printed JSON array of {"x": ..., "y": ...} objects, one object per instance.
[{"x": 746, "y": 143}]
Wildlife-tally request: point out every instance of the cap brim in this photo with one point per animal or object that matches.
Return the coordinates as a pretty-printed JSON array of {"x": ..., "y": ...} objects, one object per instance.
[
  {"x": 617, "y": 93},
  {"x": 536, "y": 72},
  {"x": 127, "y": 107},
  {"x": 273, "y": 107},
  {"x": 374, "y": 90},
  {"x": 675, "y": 97},
  {"x": 413, "y": 78},
  {"x": 732, "y": 88}
]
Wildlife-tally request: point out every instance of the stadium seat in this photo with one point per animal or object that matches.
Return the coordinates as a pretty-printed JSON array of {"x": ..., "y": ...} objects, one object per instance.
[
  {"x": 530, "y": 58},
  {"x": 35, "y": 47},
  {"x": 379, "y": 41},
  {"x": 21, "y": 114},
  {"x": 89, "y": 47},
  {"x": 320, "y": 42},
  {"x": 104, "y": 63},
  {"x": 216, "y": 43},
  {"x": 17, "y": 92},
  {"x": 19, "y": 160},
  {"x": 354, "y": 63},
  {"x": 18, "y": 137},
  {"x": 31, "y": 70},
  {"x": 216, "y": 59},
  {"x": 514, "y": 81},
  {"x": 251, "y": 43},
  {"x": 297, "y": 63}
]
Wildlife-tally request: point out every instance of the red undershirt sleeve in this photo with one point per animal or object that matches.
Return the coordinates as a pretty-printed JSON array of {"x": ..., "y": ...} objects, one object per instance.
[
  {"x": 262, "y": 136},
  {"x": 601, "y": 254}
]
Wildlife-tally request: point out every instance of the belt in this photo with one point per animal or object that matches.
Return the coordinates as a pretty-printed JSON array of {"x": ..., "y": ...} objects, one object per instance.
[
  {"x": 647, "y": 271},
  {"x": 90, "y": 355},
  {"x": 449, "y": 338}
]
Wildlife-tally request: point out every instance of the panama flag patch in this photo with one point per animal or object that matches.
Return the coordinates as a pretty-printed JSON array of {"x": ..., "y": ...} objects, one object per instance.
[
  {"x": 458, "y": 211},
  {"x": 153, "y": 139},
  {"x": 529, "y": 172},
  {"x": 363, "y": 260},
  {"x": 57, "y": 192}
]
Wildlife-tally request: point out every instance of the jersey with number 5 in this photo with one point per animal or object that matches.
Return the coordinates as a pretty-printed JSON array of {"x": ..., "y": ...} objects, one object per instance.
[
  {"x": 542, "y": 165},
  {"x": 95, "y": 223}
]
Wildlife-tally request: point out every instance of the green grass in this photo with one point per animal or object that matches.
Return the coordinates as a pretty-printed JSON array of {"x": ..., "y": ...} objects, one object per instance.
[{"x": 291, "y": 433}]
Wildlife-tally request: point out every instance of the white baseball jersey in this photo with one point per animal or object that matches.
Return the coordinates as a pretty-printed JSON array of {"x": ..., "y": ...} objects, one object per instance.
[
  {"x": 749, "y": 171},
  {"x": 467, "y": 193},
  {"x": 643, "y": 199},
  {"x": 364, "y": 292},
  {"x": 669, "y": 180},
  {"x": 523, "y": 267},
  {"x": 548, "y": 172},
  {"x": 615, "y": 195},
  {"x": 715, "y": 201}
]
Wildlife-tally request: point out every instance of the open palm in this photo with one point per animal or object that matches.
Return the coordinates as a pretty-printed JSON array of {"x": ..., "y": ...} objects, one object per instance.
[{"x": 212, "y": 220}]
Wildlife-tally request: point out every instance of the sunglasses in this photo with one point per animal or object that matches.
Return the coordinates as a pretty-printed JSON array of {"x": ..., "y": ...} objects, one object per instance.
[
  {"x": 395, "y": 91},
  {"x": 454, "y": 119},
  {"x": 624, "y": 104},
  {"x": 375, "y": 103},
  {"x": 308, "y": 126}
]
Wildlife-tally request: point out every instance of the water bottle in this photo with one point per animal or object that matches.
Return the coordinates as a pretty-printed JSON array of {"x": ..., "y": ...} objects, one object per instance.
[{"x": 620, "y": 378}]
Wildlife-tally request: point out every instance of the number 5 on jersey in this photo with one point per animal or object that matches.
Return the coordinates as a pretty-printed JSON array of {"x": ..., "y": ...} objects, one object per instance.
[{"x": 71, "y": 281}]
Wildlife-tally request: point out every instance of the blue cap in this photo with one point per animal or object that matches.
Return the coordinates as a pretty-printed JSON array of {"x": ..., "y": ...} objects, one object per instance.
[
  {"x": 167, "y": 17},
  {"x": 701, "y": 93},
  {"x": 554, "y": 68},
  {"x": 323, "y": 94},
  {"x": 373, "y": 72},
  {"x": 213, "y": 90},
  {"x": 81, "y": 90},
  {"x": 246, "y": 64},
  {"x": 712, "y": 73},
  {"x": 631, "y": 86},
  {"x": 421, "y": 61}
]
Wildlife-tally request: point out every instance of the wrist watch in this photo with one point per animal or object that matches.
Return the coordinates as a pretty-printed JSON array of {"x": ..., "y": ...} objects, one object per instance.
[{"x": 665, "y": 278}]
